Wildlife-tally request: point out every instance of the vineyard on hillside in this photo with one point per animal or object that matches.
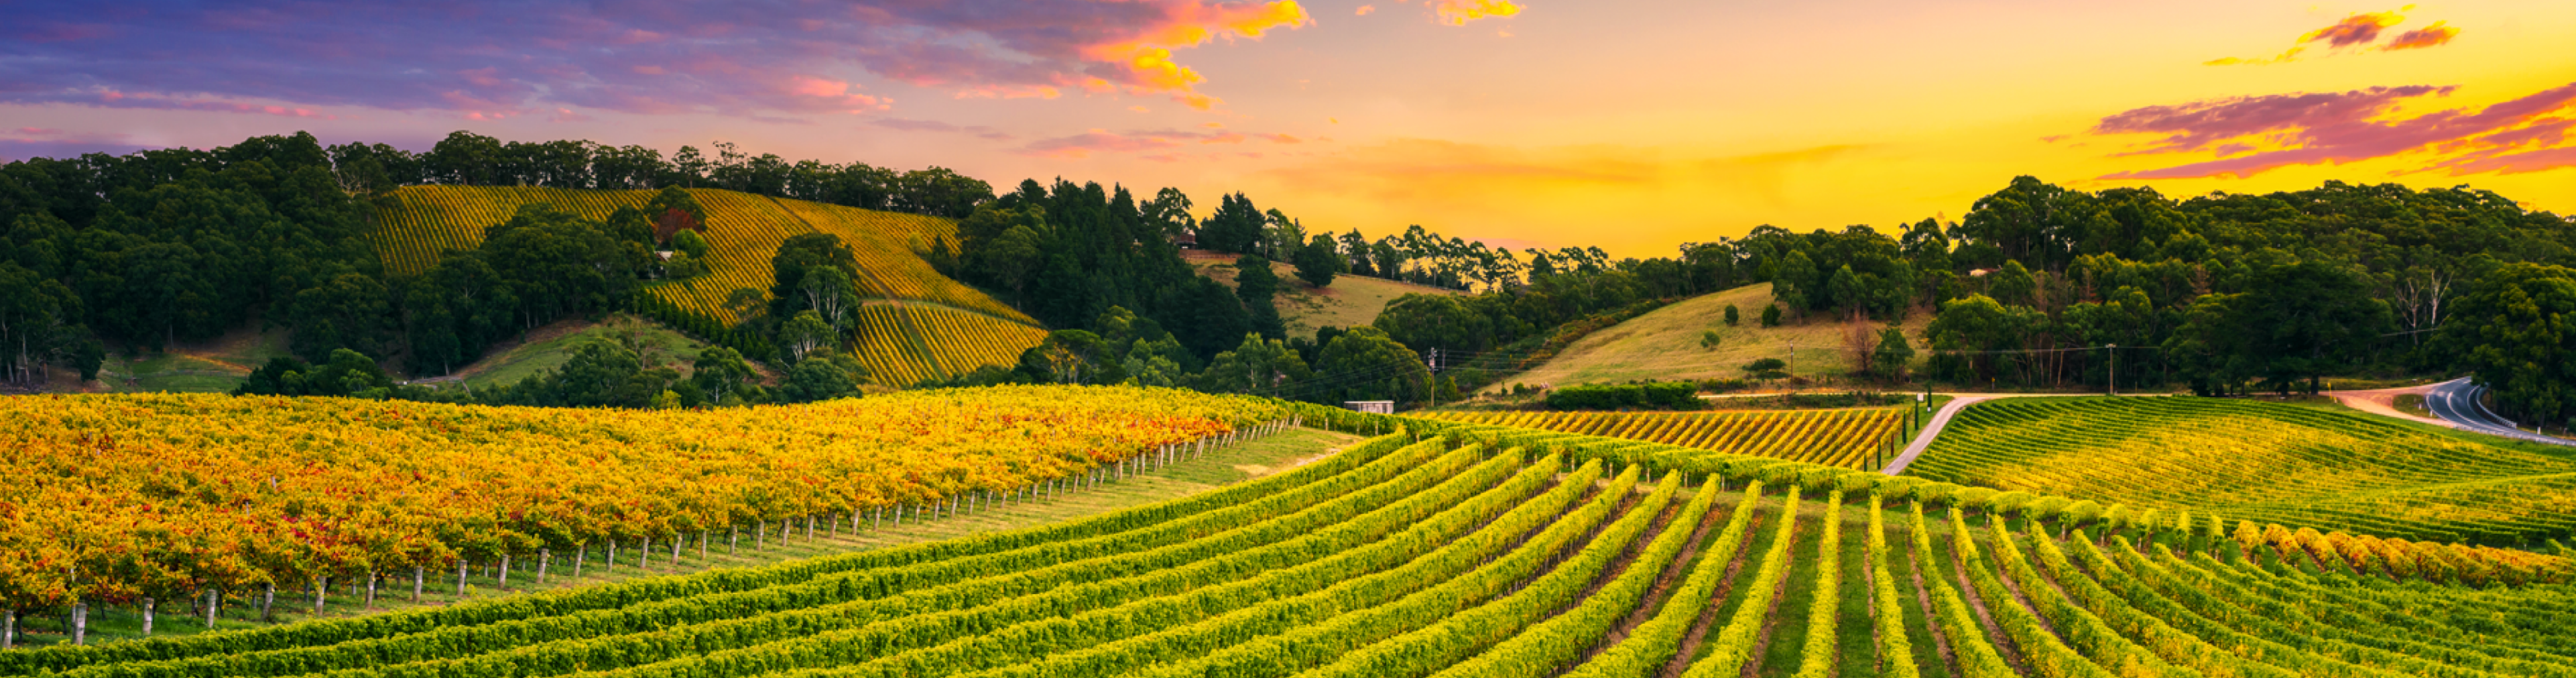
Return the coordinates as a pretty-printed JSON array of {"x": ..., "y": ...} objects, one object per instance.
[
  {"x": 2262, "y": 462},
  {"x": 885, "y": 243},
  {"x": 111, "y": 499},
  {"x": 1494, "y": 552},
  {"x": 1852, "y": 438},
  {"x": 905, "y": 344},
  {"x": 745, "y": 231}
]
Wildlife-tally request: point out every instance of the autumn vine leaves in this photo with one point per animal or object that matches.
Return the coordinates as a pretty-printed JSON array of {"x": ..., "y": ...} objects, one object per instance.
[{"x": 112, "y": 499}]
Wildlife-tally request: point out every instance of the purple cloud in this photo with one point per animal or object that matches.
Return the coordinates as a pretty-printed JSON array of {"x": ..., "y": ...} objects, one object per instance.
[
  {"x": 496, "y": 59},
  {"x": 21, "y": 143},
  {"x": 2311, "y": 129},
  {"x": 2195, "y": 126}
]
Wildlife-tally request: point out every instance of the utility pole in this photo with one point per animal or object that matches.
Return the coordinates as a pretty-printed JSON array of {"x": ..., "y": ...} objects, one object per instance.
[
  {"x": 1432, "y": 364},
  {"x": 2115, "y": 369}
]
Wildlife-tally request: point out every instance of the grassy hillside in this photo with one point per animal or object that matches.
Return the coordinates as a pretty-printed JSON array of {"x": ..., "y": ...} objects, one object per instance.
[
  {"x": 745, "y": 231},
  {"x": 1665, "y": 344},
  {"x": 1350, "y": 301},
  {"x": 2265, "y": 462},
  {"x": 201, "y": 367},
  {"x": 551, "y": 346}
]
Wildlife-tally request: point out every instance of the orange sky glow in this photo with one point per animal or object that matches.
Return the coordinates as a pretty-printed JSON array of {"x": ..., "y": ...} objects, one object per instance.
[{"x": 1633, "y": 125}]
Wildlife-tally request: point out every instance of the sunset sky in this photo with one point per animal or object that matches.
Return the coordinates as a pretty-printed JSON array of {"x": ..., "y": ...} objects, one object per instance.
[{"x": 1633, "y": 125}]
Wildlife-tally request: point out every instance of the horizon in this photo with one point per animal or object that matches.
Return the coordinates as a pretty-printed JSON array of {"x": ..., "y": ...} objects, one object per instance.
[{"x": 1519, "y": 124}]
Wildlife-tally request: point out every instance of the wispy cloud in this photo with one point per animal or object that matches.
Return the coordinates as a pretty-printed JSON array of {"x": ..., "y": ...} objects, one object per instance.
[
  {"x": 2252, "y": 135},
  {"x": 2435, "y": 35},
  {"x": 1459, "y": 12},
  {"x": 637, "y": 56},
  {"x": 907, "y": 125},
  {"x": 2358, "y": 29},
  {"x": 2355, "y": 33},
  {"x": 20, "y": 143},
  {"x": 1103, "y": 141}
]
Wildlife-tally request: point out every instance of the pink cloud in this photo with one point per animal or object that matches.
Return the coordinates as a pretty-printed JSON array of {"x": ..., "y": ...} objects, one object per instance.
[
  {"x": 2357, "y": 29},
  {"x": 659, "y": 57},
  {"x": 2435, "y": 35},
  {"x": 2194, "y": 126},
  {"x": 2312, "y": 129}
]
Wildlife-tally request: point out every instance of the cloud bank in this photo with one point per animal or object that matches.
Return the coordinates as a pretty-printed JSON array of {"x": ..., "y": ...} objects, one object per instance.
[{"x": 486, "y": 59}]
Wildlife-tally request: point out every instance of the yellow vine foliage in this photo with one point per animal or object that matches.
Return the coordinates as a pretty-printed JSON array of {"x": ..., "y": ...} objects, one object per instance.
[{"x": 111, "y": 497}]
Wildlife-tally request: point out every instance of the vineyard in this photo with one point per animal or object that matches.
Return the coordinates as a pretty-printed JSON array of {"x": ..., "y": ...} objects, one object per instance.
[
  {"x": 1462, "y": 550},
  {"x": 2261, "y": 462},
  {"x": 1851, "y": 438},
  {"x": 745, "y": 231},
  {"x": 906, "y": 344},
  {"x": 115, "y": 499}
]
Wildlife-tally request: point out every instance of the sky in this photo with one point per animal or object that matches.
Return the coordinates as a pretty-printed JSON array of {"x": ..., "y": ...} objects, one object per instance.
[{"x": 1632, "y": 125}]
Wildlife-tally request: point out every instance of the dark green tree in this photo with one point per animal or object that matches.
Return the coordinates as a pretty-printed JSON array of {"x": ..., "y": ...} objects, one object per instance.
[
  {"x": 2514, "y": 331},
  {"x": 1892, "y": 355},
  {"x": 1365, "y": 364},
  {"x": 1319, "y": 261}
]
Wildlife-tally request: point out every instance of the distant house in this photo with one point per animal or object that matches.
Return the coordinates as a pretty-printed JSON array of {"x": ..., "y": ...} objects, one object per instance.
[
  {"x": 1371, "y": 406},
  {"x": 1188, "y": 240}
]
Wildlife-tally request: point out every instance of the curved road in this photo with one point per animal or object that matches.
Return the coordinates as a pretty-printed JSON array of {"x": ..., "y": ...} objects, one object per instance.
[
  {"x": 1931, "y": 429},
  {"x": 2457, "y": 401}
]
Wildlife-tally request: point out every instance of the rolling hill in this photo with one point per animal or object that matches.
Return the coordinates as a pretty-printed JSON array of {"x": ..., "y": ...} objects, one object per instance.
[
  {"x": 1665, "y": 344},
  {"x": 1350, "y": 301},
  {"x": 919, "y": 325},
  {"x": 2265, "y": 462},
  {"x": 1486, "y": 551}
]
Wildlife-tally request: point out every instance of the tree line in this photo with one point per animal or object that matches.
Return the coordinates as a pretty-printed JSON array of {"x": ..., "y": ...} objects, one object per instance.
[
  {"x": 2224, "y": 293},
  {"x": 174, "y": 245}
]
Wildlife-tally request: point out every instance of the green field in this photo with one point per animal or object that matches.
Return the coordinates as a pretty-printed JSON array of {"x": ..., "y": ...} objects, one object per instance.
[
  {"x": 2264, "y": 462},
  {"x": 1488, "y": 552},
  {"x": 549, "y": 347},
  {"x": 1664, "y": 344},
  {"x": 207, "y": 367}
]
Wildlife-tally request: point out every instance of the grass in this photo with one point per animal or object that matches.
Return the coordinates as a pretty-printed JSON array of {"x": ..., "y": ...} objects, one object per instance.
[
  {"x": 1349, "y": 302},
  {"x": 212, "y": 366},
  {"x": 1221, "y": 467},
  {"x": 551, "y": 346},
  {"x": 2412, "y": 403},
  {"x": 1665, "y": 344}
]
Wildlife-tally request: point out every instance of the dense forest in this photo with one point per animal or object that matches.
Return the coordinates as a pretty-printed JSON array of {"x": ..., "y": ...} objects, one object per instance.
[{"x": 2034, "y": 286}]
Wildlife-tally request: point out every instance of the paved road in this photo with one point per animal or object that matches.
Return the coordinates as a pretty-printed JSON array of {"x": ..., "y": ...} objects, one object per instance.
[
  {"x": 2457, "y": 401},
  {"x": 1931, "y": 429}
]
